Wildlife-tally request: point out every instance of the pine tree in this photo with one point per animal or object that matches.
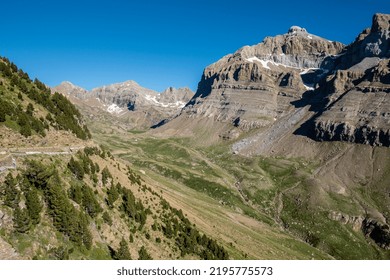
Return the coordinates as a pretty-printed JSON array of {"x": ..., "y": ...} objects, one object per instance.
[
  {"x": 59, "y": 206},
  {"x": 34, "y": 206},
  {"x": 76, "y": 168},
  {"x": 25, "y": 130},
  {"x": 37, "y": 174},
  {"x": 112, "y": 196},
  {"x": 90, "y": 204},
  {"x": 21, "y": 220},
  {"x": 76, "y": 193},
  {"x": 143, "y": 254},
  {"x": 84, "y": 231},
  {"x": 11, "y": 193},
  {"x": 107, "y": 218},
  {"x": 106, "y": 175},
  {"x": 59, "y": 253},
  {"x": 30, "y": 109},
  {"x": 123, "y": 251},
  {"x": 2, "y": 113}
]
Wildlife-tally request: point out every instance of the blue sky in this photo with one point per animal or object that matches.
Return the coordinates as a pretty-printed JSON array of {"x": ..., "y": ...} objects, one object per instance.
[{"x": 158, "y": 43}]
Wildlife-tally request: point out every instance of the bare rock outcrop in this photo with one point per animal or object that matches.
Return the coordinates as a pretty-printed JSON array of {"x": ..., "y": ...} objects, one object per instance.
[{"x": 357, "y": 107}]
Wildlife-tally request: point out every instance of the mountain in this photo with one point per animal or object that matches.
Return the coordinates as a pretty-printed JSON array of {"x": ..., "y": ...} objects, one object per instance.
[
  {"x": 275, "y": 80},
  {"x": 255, "y": 86},
  {"x": 132, "y": 105},
  {"x": 334, "y": 92}
]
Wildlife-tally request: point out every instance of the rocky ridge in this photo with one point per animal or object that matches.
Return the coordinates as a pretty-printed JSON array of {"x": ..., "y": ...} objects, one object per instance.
[{"x": 128, "y": 100}]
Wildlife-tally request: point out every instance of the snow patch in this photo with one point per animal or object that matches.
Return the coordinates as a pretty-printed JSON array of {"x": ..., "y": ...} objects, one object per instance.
[
  {"x": 306, "y": 70},
  {"x": 334, "y": 56},
  {"x": 177, "y": 104},
  {"x": 309, "y": 86},
  {"x": 114, "y": 109},
  {"x": 265, "y": 63},
  {"x": 151, "y": 98}
]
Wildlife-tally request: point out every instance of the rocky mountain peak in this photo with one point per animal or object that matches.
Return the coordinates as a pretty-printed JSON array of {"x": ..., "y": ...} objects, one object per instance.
[
  {"x": 69, "y": 88},
  {"x": 296, "y": 30},
  {"x": 381, "y": 24},
  {"x": 67, "y": 83},
  {"x": 172, "y": 97},
  {"x": 356, "y": 103},
  {"x": 372, "y": 42},
  {"x": 297, "y": 49}
]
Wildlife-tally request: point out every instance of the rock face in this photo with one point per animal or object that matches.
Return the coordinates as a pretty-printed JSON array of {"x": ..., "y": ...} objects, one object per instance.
[
  {"x": 254, "y": 86},
  {"x": 356, "y": 101},
  {"x": 130, "y": 98}
]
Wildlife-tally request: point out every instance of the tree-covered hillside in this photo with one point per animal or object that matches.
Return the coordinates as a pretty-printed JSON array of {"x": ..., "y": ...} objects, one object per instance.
[
  {"x": 91, "y": 206},
  {"x": 28, "y": 107}
]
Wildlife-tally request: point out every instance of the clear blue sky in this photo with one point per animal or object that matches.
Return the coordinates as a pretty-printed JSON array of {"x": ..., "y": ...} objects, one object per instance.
[{"x": 158, "y": 43}]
